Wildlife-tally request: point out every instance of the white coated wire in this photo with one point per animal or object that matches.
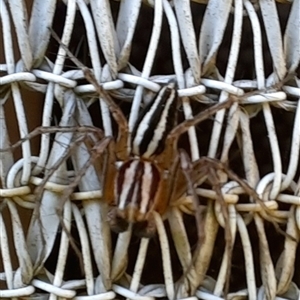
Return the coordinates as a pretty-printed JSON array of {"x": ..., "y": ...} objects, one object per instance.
[{"x": 35, "y": 183}]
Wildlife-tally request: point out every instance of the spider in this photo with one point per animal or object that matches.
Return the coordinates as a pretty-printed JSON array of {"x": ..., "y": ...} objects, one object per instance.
[
  {"x": 153, "y": 171},
  {"x": 150, "y": 175}
]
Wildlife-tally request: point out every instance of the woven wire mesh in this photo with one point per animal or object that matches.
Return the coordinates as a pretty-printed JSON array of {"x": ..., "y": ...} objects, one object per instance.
[{"x": 249, "y": 50}]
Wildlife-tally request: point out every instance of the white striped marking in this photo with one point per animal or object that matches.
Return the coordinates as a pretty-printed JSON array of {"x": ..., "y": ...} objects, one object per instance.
[{"x": 127, "y": 183}]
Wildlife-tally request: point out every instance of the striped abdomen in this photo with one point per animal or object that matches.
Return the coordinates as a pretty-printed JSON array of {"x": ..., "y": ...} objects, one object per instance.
[
  {"x": 155, "y": 123},
  {"x": 135, "y": 189}
]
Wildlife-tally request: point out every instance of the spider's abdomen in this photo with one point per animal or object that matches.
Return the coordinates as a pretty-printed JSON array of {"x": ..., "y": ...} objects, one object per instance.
[
  {"x": 136, "y": 186},
  {"x": 155, "y": 123}
]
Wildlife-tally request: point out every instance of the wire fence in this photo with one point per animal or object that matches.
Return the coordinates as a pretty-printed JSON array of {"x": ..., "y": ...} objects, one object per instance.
[{"x": 76, "y": 79}]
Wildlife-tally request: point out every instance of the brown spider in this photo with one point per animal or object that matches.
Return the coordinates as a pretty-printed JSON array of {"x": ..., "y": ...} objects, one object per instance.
[
  {"x": 150, "y": 175},
  {"x": 153, "y": 171}
]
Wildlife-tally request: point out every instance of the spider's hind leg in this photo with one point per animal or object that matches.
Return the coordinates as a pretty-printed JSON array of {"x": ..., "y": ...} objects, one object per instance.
[
  {"x": 197, "y": 172},
  {"x": 108, "y": 173},
  {"x": 193, "y": 177}
]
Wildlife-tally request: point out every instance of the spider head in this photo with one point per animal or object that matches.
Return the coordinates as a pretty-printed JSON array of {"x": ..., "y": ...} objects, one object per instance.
[{"x": 137, "y": 186}]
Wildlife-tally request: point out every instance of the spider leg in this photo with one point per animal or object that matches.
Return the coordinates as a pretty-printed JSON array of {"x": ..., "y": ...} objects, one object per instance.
[
  {"x": 168, "y": 187},
  {"x": 194, "y": 174},
  {"x": 53, "y": 129},
  {"x": 40, "y": 188},
  {"x": 218, "y": 165},
  {"x": 215, "y": 182},
  {"x": 108, "y": 174},
  {"x": 97, "y": 151},
  {"x": 187, "y": 170},
  {"x": 173, "y": 136},
  {"x": 121, "y": 146},
  {"x": 265, "y": 212}
]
